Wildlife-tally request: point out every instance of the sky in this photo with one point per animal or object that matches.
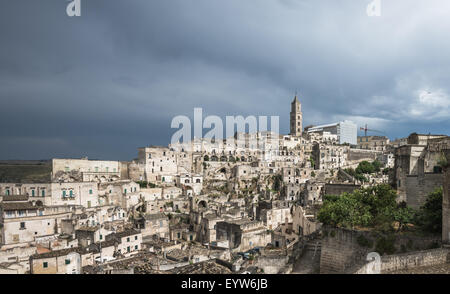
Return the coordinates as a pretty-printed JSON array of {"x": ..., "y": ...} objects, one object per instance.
[{"x": 111, "y": 80}]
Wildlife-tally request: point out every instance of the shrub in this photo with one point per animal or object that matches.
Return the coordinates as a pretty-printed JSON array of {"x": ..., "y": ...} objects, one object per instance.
[
  {"x": 374, "y": 207},
  {"x": 385, "y": 245},
  {"x": 429, "y": 217},
  {"x": 433, "y": 245},
  {"x": 364, "y": 242}
]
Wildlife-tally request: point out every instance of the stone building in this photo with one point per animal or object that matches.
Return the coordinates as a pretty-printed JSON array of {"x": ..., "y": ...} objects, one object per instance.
[
  {"x": 66, "y": 261},
  {"x": 156, "y": 164},
  {"x": 243, "y": 234},
  {"x": 129, "y": 241},
  {"x": 376, "y": 143},
  {"x": 416, "y": 170},
  {"x": 23, "y": 221},
  {"x": 302, "y": 223},
  {"x": 329, "y": 156},
  {"x": 313, "y": 192},
  {"x": 193, "y": 182},
  {"x": 153, "y": 224},
  {"x": 274, "y": 213},
  {"x": 57, "y": 193},
  {"x": 84, "y": 170},
  {"x": 208, "y": 228}
]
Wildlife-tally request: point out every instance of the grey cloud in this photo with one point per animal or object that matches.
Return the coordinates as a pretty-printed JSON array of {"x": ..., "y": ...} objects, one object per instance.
[{"x": 111, "y": 80}]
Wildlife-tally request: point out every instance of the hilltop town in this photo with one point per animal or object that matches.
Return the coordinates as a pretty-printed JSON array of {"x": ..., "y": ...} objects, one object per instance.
[{"x": 316, "y": 200}]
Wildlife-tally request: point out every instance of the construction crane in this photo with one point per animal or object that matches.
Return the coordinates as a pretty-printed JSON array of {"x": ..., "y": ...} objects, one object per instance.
[{"x": 366, "y": 129}]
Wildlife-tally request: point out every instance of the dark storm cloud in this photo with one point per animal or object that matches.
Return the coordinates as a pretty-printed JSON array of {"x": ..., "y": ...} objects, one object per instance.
[{"x": 111, "y": 80}]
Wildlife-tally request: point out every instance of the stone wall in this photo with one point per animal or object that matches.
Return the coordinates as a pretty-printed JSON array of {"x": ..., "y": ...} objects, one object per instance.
[
  {"x": 338, "y": 189},
  {"x": 340, "y": 251},
  {"x": 136, "y": 171},
  {"x": 359, "y": 154},
  {"x": 446, "y": 202},
  {"x": 415, "y": 259},
  {"x": 404, "y": 261},
  {"x": 272, "y": 263},
  {"x": 418, "y": 187},
  {"x": 343, "y": 252}
]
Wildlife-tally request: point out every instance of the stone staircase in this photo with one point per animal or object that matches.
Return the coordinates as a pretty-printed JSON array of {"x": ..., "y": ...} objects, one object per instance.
[
  {"x": 309, "y": 262},
  {"x": 314, "y": 246}
]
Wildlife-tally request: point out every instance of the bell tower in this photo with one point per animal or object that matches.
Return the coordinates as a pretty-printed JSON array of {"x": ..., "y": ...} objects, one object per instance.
[{"x": 296, "y": 118}]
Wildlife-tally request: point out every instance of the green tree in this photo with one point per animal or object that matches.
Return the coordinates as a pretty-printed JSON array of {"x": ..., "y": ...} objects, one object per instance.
[
  {"x": 429, "y": 217},
  {"x": 404, "y": 216},
  {"x": 345, "y": 211},
  {"x": 365, "y": 167},
  {"x": 374, "y": 207},
  {"x": 376, "y": 166}
]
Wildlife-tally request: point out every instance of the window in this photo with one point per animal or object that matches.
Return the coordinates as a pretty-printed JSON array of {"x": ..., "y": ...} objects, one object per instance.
[
  {"x": 45, "y": 265},
  {"x": 191, "y": 237},
  {"x": 42, "y": 193},
  {"x": 90, "y": 191},
  {"x": 125, "y": 191},
  {"x": 71, "y": 193},
  {"x": 160, "y": 224},
  {"x": 7, "y": 192},
  {"x": 135, "y": 237},
  {"x": 128, "y": 249},
  {"x": 64, "y": 193},
  {"x": 32, "y": 193},
  {"x": 67, "y": 261},
  {"x": 128, "y": 239},
  {"x": 22, "y": 226},
  {"x": 96, "y": 169},
  {"x": 136, "y": 247},
  {"x": 101, "y": 237}
]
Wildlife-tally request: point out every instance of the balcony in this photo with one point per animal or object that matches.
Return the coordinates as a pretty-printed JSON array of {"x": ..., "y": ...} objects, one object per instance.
[{"x": 68, "y": 197}]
